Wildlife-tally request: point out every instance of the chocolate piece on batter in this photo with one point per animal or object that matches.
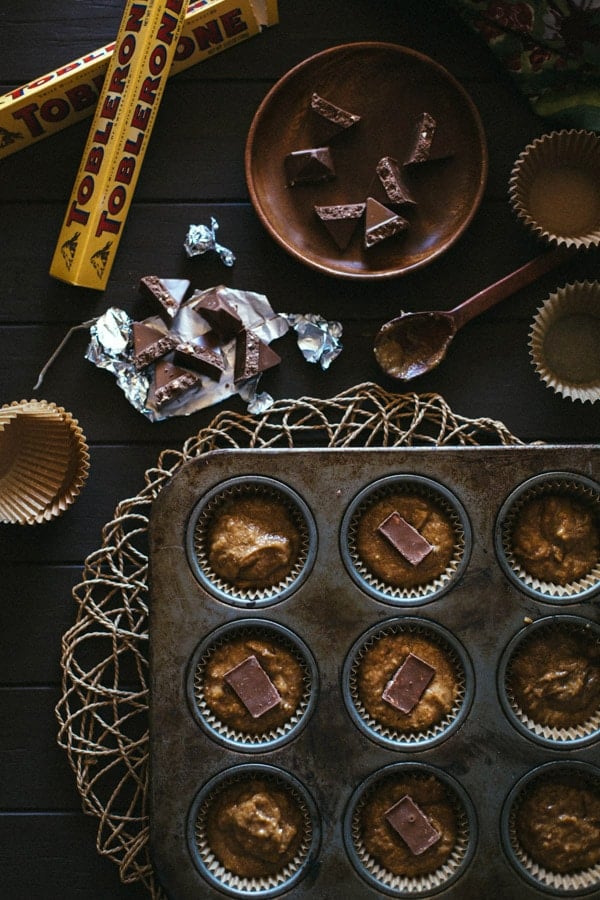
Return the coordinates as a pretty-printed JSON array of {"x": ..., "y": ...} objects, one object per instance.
[
  {"x": 406, "y": 687},
  {"x": 253, "y": 686},
  {"x": 168, "y": 293},
  {"x": 381, "y": 223},
  {"x": 219, "y": 313},
  {"x": 170, "y": 382},
  {"x": 150, "y": 343},
  {"x": 341, "y": 221},
  {"x": 412, "y": 825},
  {"x": 390, "y": 176},
  {"x": 404, "y": 538},
  {"x": 332, "y": 119},
  {"x": 252, "y": 356},
  {"x": 203, "y": 355},
  {"x": 309, "y": 166}
]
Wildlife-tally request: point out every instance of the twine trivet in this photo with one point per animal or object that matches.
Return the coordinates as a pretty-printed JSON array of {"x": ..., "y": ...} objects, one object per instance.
[{"x": 103, "y": 716}]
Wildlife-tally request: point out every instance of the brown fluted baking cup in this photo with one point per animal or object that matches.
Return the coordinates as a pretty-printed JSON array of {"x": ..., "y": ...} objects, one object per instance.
[
  {"x": 44, "y": 461},
  {"x": 564, "y": 341},
  {"x": 554, "y": 187}
]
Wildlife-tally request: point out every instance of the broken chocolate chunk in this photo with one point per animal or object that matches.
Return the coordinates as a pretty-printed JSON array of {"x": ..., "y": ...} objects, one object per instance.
[
  {"x": 203, "y": 355},
  {"x": 220, "y": 314},
  {"x": 309, "y": 166},
  {"x": 168, "y": 293},
  {"x": 333, "y": 119},
  {"x": 390, "y": 176},
  {"x": 412, "y": 825},
  {"x": 253, "y": 686},
  {"x": 150, "y": 343},
  {"x": 405, "y": 539},
  {"x": 404, "y": 690},
  {"x": 425, "y": 144},
  {"x": 171, "y": 382},
  {"x": 381, "y": 223},
  {"x": 341, "y": 221},
  {"x": 252, "y": 356}
]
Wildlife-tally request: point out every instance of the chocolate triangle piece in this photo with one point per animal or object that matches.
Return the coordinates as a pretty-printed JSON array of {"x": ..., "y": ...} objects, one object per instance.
[
  {"x": 333, "y": 119},
  {"x": 413, "y": 826},
  {"x": 221, "y": 315},
  {"x": 341, "y": 221},
  {"x": 171, "y": 381},
  {"x": 252, "y": 356},
  {"x": 203, "y": 355},
  {"x": 150, "y": 343},
  {"x": 167, "y": 293},
  {"x": 390, "y": 175},
  {"x": 309, "y": 166},
  {"x": 425, "y": 144},
  {"x": 381, "y": 223}
]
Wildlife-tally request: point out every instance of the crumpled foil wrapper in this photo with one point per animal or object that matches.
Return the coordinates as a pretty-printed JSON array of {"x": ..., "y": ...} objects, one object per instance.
[
  {"x": 318, "y": 339},
  {"x": 202, "y": 238},
  {"x": 111, "y": 348}
]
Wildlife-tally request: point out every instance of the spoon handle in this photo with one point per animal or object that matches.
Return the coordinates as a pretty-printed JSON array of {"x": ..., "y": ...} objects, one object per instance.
[{"x": 508, "y": 285}]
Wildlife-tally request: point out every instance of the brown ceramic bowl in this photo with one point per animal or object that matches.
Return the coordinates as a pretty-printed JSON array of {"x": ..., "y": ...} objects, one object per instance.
[{"x": 388, "y": 86}]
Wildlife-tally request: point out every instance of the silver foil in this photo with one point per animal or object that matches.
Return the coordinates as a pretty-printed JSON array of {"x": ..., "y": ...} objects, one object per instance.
[
  {"x": 202, "y": 238},
  {"x": 318, "y": 339}
]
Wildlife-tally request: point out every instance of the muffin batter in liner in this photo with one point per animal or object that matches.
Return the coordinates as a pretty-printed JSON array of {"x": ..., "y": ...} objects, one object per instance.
[
  {"x": 198, "y": 534},
  {"x": 404, "y": 885},
  {"x": 269, "y": 738},
  {"x": 238, "y": 885},
  {"x": 396, "y": 737},
  {"x": 412, "y": 485},
  {"x": 557, "y": 484},
  {"x": 549, "y": 734},
  {"x": 557, "y": 883}
]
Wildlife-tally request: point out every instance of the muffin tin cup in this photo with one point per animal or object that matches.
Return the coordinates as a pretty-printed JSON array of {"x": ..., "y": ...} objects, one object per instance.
[
  {"x": 555, "y": 483},
  {"x": 226, "y": 734},
  {"x": 552, "y": 736},
  {"x": 428, "y": 489},
  {"x": 387, "y": 882},
  {"x": 215, "y": 872},
  {"x": 574, "y": 884},
  {"x": 387, "y": 736},
  {"x": 197, "y": 532}
]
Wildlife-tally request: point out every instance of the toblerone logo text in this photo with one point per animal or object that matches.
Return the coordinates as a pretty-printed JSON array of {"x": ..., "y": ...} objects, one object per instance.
[
  {"x": 70, "y": 93},
  {"x": 117, "y": 142}
]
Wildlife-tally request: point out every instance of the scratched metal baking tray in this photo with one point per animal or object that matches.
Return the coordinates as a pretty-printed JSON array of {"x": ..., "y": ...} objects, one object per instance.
[{"x": 328, "y": 609}]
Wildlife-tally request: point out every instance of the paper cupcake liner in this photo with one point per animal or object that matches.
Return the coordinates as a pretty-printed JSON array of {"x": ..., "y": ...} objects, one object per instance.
[
  {"x": 562, "y": 483},
  {"x": 556, "y": 883},
  {"x": 564, "y": 341},
  {"x": 554, "y": 735},
  {"x": 199, "y": 528},
  {"x": 44, "y": 461},
  {"x": 397, "y": 485},
  {"x": 242, "y": 740},
  {"x": 394, "y": 737},
  {"x": 420, "y": 885},
  {"x": 215, "y": 871},
  {"x": 554, "y": 187}
]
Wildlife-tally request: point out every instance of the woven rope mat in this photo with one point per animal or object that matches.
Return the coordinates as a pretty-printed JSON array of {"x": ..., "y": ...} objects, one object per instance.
[{"x": 103, "y": 710}]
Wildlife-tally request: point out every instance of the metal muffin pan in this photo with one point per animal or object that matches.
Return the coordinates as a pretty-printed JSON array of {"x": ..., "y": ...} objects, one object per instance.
[{"x": 328, "y": 611}]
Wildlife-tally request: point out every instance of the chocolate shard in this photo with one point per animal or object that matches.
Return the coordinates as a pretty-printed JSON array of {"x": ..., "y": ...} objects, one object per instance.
[
  {"x": 381, "y": 223},
  {"x": 404, "y": 690},
  {"x": 203, "y": 355},
  {"x": 412, "y": 825},
  {"x": 309, "y": 166},
  {"x": 332, "y": 119},
  {"x": 171, "y": 382},
  {"x": 341, "y": 221},
  {"x": 252, "y": 356},
  {"x": 220, "y": 314},
  {"x": 390, "y": 175},
  {"x": 425, "y": 145},
  {"x": 150, "y": 343},
  {"x": 253, "y": 686},
  {"x": 167, "y": 293},
  {"x": 404, "y": 538}
]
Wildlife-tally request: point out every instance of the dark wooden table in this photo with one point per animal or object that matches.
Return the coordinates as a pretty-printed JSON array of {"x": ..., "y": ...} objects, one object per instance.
[{"x": 194, "y": 169}]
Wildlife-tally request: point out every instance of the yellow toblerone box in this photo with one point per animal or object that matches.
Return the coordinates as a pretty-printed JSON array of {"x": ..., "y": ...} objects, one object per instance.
[
  {"x": 117, "y": 142},
  {"x": 54, "y": 101}
]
